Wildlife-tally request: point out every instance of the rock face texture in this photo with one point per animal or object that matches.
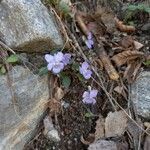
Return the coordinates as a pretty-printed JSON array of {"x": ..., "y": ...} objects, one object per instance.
[
  {"x": 26, "y": 25},
  {"x": 140, "y": 95},
  {"x": 103, "y": 145},
  {"x": 22, "y": 104}
]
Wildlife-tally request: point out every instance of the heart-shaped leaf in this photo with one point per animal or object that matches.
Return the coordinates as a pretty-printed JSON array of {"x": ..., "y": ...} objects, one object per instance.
[
  {"x": 43, "y": 71},
  {"x": 3, "y": 70},
  {"x": 12, "y": 58}
]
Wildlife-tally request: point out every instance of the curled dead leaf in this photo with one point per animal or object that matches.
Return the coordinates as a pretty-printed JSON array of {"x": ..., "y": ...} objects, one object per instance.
[
  {"x": 122, "y": 58},
  {"x": 90, "y": 139},
  {"x": 81, "y": 23},
  {"x": 147, "y": 124},
  {"x": 132, "y": 70},
  {"x": 108, "y": 65},
  {"x": 105, "y": 16},
  {"x": 59, "y": 93},
  {"x": 124, "y": 28},
  {"x": 127, "y": 42},
  {"x": 138, "y": 45}
]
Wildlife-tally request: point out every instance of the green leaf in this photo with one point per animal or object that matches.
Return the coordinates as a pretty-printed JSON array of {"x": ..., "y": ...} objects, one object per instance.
[
  {"x": 75, "y": 66},
  {"x": 54, "y": 2},
  {"x": 65, "y": 80},
  {"x": 43, "y": 71},
  {"x": 141, "y": 7},
  {"x": 12, "y": 58},
  {"x": 131, "y": 23},
  {"x": 146, "y": 63},
  {"x": 3, "y": 70},
  {"x": 1, "y": 65},
  {"x": 132, "y": 7},
  {"x": 80, "y": 77},
  {"x": 147, "y": 9},
  {"x": 88, "y": 115},
  {"x": 64, "y": 7}
]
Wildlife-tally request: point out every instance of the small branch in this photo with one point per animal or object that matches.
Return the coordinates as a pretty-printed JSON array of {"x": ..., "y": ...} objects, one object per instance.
[{"x": 6, "y": 47}]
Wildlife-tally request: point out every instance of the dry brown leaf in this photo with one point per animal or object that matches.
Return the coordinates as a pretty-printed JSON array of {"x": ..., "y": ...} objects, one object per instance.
[
  {"x": 120, "y": 90},
  {"x": 105, "y": 16},
  {"x": 54, "y": 106},
  {"x": 90, "y": 139},
  {"x": 138, "y": 45},
  {"x": 127, "y": 42},
  {"x": 115, "y": 124},
  {"x": 88, "y": 23},
  {"x": 122, "y": 58},
  {"x": 99, "y": 62},
  {"x": 100, "y": 127},
  {"x": 147, "y": 124},
  {"x": 123, "y": 145},
  {"x": 59, "y": 93},
  {"x": 132, "y": 70},
  {"x": 124, "y": 28},
  {"x": 81, "y": 23},
  {"x": 95, "y": 28},
  {"x": 108, "y": 65}
]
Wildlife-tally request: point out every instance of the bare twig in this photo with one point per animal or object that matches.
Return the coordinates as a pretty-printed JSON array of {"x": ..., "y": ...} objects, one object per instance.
[
  {"x": 63, "y": 28},
  {"x": 6, "y": 47}
]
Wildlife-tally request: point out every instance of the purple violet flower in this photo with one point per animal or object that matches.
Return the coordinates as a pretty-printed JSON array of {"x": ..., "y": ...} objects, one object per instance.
[
  {"x": 85, "y": 71},
  {"x": 89, "y": 97},
  {"x": 66, "y": 59},
  {"x": 55, "y": 62},
  {"x": 89, "y": 42}
]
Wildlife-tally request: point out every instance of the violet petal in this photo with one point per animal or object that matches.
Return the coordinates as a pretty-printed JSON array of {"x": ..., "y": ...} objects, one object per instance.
[
  {"x": 66, "y": 58},
  {"x": 93, "y": 93},
  {"x": 59, "y": 56},
  {"x": 50, "y": 66},
  {"x": 49, "y": 58}
]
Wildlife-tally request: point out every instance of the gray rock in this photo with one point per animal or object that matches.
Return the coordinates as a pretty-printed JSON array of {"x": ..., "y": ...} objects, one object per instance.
[
  {"x": 18, "y": 120},
  {"x": 140, "y": 95},
  {"x": 49, "y": 131},
  {"x": 53, "y": 135},
  {"x": 113, "y": 125},
  {"x": 103, "y": 145},
  {"x": 26, "y": 25},
  {"x": 146, "y": 28}
]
